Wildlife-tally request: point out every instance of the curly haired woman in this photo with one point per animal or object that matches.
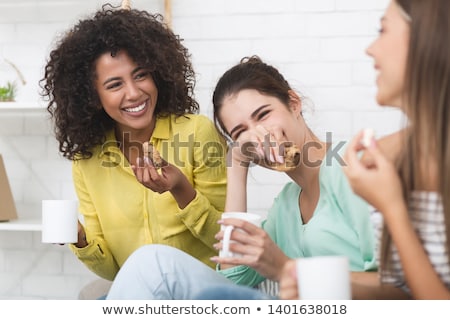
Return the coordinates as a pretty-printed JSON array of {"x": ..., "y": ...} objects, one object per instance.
[{"x": 115, "y": 81}]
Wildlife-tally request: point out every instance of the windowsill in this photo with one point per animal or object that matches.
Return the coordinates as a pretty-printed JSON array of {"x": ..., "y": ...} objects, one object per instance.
[
  {"x": 20, "y": 106},
  {"x": 29, "y": 224}
]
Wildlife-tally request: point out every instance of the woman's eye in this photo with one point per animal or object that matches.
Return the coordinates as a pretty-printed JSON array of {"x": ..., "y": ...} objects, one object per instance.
[
  {"x": 235, "y": 136},
  {"x": 380, "y": 30},
  {"x": 113, "y": 85},
  {"x": 141, "y": 75},
  {"x": 262, "y": 114}
]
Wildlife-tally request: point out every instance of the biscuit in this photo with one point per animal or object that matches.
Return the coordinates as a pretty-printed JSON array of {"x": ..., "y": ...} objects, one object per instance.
[
  {"x": 153, "y": 154},
  {"x": 291, "y": 159}
]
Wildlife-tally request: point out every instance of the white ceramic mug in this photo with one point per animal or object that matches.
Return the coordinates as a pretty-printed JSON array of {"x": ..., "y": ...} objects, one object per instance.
[
  {"x": 250, "y": 217},
  {"x": 325, "y": 277},
  {"x": 59, "y": 221}
]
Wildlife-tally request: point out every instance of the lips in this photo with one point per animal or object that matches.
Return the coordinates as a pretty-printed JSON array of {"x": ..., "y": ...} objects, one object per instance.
[{"x": 136, "y": 109}]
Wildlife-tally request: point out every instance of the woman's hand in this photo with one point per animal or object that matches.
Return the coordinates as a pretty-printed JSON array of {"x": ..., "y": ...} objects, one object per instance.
[
  {"x": 288, "y": 281},
  {"x": 376, "y": 180},
  {"x": 147, "y": 174},
  {"x": 170, "y": 178},
  {"x": 256, "y": 248},
  {"x": 82, "y": 241},
  {"x": 260, "y": 146}
]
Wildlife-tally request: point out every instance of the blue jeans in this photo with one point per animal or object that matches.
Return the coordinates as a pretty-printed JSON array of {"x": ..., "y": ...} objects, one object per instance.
[
  {"x": 160, "y": 272},
  {"x": 231, "y": 292}
]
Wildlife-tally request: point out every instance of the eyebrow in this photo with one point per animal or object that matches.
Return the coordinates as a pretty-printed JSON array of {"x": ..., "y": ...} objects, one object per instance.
[
  {"x": 252, "y": 116},
  {"x": 137, "y": 69}
]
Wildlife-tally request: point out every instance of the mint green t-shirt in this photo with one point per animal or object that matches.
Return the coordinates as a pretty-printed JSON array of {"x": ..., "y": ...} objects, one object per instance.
[{"x": 340, "y": 225}]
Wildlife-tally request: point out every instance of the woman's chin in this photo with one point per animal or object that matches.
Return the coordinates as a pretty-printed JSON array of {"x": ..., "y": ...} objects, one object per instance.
[{"x": 388, "y": 103}]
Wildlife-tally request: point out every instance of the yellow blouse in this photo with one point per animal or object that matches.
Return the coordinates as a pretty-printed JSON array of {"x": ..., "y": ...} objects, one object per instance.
[{"x": 121, "y": 215}]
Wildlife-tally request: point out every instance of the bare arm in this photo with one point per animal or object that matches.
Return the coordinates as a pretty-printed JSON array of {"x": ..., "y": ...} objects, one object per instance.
[
  {"x": 366, "y": 286},
  {"x": 420, "y": 275},
  {"x": 236, "y": 199},
  {"x": 183, "y": 192}
]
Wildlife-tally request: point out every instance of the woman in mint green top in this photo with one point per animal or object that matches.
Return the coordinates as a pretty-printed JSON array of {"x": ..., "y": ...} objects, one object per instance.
[
  {"x": 316, "y": 214},
  {"x": 339, "y": 226}
]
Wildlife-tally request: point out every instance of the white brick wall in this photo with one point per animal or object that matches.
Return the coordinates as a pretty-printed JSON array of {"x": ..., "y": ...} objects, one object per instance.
[{"x": 319, "y": 46}]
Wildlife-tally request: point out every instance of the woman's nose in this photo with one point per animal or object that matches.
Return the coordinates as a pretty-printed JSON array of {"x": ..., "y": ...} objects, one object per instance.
[
  {"x": 370, "y": 48},
  {"x": 132, "y": 90}
]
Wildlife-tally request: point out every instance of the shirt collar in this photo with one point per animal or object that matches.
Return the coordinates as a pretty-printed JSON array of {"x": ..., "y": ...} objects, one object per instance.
[{"x": 162, "y": 128}]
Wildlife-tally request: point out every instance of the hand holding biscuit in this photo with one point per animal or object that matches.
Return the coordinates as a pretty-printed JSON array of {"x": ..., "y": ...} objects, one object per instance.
[
  {"x": 158, "y": 175},
  {"x": 267, "y": 148},
  {"x": 152, "y": 154},
  {"x": 146, "y": 170}
]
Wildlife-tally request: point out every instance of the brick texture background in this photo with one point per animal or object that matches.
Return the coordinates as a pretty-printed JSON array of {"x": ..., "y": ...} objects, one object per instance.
[{"x": 318, "y": 45}]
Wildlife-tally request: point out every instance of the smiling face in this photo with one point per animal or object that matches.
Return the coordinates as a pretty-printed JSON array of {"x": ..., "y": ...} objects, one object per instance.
[
  {"x": 249, "y": 108},
  {"x": 127, "y": 92},
  {"x": 390, "y": 51}
]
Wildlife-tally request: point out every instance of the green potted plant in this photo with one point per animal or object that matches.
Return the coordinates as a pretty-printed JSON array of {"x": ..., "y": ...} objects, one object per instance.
[
  {"x": 8, "y": 92},
  {"x": 10, "y": 75}
]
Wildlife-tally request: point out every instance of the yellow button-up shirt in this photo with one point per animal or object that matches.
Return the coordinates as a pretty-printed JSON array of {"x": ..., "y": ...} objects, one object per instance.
[{"x": 120, "y": 214}]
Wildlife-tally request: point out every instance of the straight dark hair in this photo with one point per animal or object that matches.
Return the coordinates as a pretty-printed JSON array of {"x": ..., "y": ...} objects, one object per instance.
[{"x": 250, "y": 73}]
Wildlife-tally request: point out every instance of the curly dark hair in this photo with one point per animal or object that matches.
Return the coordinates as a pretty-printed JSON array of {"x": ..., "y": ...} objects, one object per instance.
[{"x": 68, "y": 83}]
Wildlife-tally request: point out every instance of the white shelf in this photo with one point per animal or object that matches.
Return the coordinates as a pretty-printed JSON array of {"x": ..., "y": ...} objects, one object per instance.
[
  {"x": 21, "y": 225},
  {"x": 21, "y": 106}
]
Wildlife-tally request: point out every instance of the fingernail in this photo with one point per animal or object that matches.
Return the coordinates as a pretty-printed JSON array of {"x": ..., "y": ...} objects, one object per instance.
[
  {"x": 280, "y": 159},
  {"x": 261, "y": 152},
  {"x": 272, "y": 159}
]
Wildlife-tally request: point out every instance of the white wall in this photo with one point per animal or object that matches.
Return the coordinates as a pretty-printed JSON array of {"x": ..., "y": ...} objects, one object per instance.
[{"x": 319, "y": 45}]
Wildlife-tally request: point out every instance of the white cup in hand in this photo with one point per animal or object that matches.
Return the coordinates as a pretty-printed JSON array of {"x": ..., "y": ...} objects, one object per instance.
[
  {"x": 227, "y": 230},
  {"x": 325, "y": 277},
  {"x": 59, "y": 221}
]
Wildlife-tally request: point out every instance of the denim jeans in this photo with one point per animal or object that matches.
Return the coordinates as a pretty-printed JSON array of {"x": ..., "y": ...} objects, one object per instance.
[
  {"x": 231, "y": 292},
  {"x": 160, "y": 272}
]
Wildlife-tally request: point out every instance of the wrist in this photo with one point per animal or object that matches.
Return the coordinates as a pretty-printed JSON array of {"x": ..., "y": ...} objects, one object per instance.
[
  {"x": 395, "y": 213},
  {"x": 238, "y": 162},
  {"x": 183, "y": 193},
  {"x": 238, "y": 168}
]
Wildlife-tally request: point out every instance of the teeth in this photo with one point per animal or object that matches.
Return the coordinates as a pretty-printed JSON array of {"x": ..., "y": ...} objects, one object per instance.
[{"x": 136, "y": 109}]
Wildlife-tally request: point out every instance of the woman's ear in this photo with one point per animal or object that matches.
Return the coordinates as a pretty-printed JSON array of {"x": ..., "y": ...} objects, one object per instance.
[{"x": 295, "y": 103}]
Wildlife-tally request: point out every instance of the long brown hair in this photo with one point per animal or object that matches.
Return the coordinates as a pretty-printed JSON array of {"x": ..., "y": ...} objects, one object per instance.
[{"x": 426, "y": 102}]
